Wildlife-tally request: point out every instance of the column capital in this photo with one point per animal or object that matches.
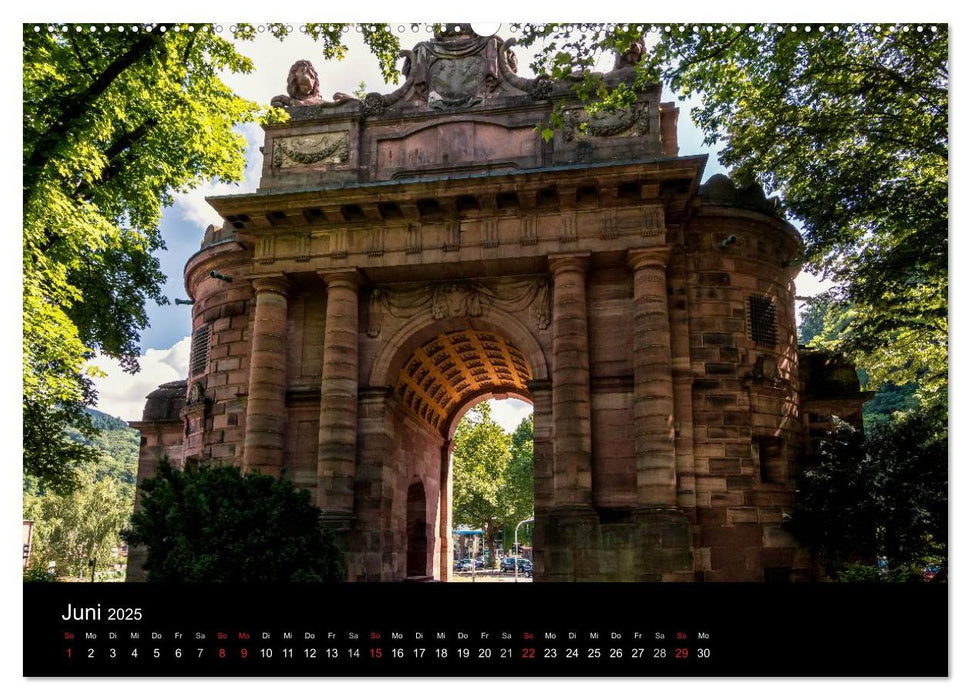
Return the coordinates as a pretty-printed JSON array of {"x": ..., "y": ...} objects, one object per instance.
[
  {"x": 649, "y": 257},
  {"x": 348, "y": 277},
  {"x": 569, "y": 262},
  {"x": 275, "y": 283}
]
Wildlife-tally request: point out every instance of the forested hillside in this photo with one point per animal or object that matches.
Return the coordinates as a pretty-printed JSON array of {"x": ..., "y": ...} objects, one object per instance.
[{"x": 72, "y": 528}]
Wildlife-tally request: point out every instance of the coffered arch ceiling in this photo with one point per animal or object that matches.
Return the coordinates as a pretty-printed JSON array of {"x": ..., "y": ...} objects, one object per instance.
[{"x": 443, "y": 374}]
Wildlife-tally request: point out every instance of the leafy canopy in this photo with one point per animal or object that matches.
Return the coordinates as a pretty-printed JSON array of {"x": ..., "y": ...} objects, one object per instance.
[
  {"x": 492, "y": 472},
  {"x": 74, "y": 528},
  {"x": 849, "y": 127},
  {"x": 115, "y": 124}
]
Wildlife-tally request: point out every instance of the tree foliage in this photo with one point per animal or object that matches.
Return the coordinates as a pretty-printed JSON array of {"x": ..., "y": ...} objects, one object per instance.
[
  {"x": 211, "y": 523},
  {"x": 516, "y": 491},
  {"x": 492, "y": 472},
  {"x": 849, "y": 126},
  {"x": 479, "y": 464},
  {"x": 881, "y": 494},
  {"x": 115, "y": 124},
  {"x": 821, "y": 326},
  {"x": 70, "y": 528}
]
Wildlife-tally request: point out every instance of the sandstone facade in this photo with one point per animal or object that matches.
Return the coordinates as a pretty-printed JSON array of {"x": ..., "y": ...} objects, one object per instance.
[{"x": 410, "y": 254}]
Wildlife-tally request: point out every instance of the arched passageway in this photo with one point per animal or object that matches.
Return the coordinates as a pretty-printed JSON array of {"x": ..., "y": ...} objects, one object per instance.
[{"x": 440, "y": 371}]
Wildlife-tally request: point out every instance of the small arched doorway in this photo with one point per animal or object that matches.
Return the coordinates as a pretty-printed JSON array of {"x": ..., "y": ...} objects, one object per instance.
[{"x": 417, "y": 556}]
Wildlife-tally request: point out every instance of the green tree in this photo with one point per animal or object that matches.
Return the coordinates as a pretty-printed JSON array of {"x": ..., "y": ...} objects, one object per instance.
[
  {"x": 880, "y": 494},
  {"x": 516, "y": 491},
  {"x": 821, "y": 326},
  {"x": 115, "y": 123},
  {"x": 479, "y": 464},
  {"x": 211, "y": 523},
  {"x": 849, "y": 126},
  {"x": 71, "y": 529},
  {"x": 66, "y": 524}
]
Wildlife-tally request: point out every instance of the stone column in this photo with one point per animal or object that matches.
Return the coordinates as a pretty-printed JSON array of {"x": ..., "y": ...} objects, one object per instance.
[
  {"x": 571, "y": 382},
  {"x": 445, "y": 513},
  {"x": 337, "y": 439},
  {"x": 653, "y": 382},
  {"x": 266, "y": 401}
]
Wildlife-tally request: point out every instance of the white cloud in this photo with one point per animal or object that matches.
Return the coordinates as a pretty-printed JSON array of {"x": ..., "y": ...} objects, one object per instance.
[
  {"x": 123, "y": 395},
  {"x": 509, "y": 413},
  {"x": 808, "y": 284}
]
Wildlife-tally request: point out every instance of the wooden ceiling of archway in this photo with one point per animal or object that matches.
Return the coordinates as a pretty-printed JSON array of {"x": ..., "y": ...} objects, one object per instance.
[{"x": 451, "y": 368}]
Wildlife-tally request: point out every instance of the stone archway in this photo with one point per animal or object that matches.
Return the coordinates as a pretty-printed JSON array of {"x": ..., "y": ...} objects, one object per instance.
[
  {"x": 439, "y": 369},
  {"x": 655, "y": 316}
]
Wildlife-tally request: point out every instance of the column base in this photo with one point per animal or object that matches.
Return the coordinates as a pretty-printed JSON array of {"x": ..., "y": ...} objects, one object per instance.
[
  {"x": 664, "y": 537},
  {"x": 341, "y": 526},
  {"x": 577, "y": 543}
]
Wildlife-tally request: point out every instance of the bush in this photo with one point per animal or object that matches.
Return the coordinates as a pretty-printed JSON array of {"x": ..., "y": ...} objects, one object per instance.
[
  {"x": 881, "y": 494},
  {"x": 38, "y": 574},
  {"x": 211, "y": 523}
]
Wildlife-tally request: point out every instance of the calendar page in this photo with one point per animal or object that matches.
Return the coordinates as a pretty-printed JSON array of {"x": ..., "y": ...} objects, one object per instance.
[{"x": 469, "y": 349}]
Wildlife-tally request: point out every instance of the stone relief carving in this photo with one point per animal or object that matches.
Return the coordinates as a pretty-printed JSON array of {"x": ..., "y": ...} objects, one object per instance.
[
  {"x": 413, "y": 239},
  {"x": 295, "y": 151},
  {"x": 538, "y": 88},
  {"x": 631, "y": 57},
  {"x": 578, "y": 125},
  {"x": 456, "y": 69},
  {"x": 197, "y": 394},
  {"x": 528, "y": 231},
  {"x": 264, "y": 249},
  {"x": 458, "y": 300},
  {"x": 652, "y": 221},
  {"x": 303, "y": 89}
]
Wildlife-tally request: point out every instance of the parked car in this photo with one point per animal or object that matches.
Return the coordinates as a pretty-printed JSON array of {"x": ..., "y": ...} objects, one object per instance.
[
  {"x": 508, "y": 564},
  {"x": 463, "y": 565}
]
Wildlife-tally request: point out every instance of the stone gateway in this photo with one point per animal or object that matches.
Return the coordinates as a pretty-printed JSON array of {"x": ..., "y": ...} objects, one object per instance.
[{"x": 409, "y": 254}]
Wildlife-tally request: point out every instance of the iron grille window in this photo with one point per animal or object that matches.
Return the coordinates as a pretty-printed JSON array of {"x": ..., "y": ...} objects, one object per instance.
[
  {"x": 761, "y": 318},
  {"x": 199, "y": 355},
  {"x": 778, "y": 574}
]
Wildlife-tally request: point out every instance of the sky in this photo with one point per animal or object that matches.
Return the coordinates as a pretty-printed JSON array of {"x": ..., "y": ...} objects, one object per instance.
[{"x": 165, "y": 342}]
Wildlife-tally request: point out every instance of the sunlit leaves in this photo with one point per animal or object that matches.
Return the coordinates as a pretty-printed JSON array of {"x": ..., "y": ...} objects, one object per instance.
[
  {"x": 848, "y": 126},
  {"x": 492, "y": 472},
  {"x": 114, "y": 125}
]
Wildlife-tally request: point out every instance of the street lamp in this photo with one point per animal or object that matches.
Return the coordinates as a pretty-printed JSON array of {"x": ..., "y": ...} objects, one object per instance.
[{"x": 515, "y": 556}]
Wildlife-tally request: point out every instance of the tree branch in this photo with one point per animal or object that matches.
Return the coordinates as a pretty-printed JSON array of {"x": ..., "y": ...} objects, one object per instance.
[{"x": 76, "y": 107}]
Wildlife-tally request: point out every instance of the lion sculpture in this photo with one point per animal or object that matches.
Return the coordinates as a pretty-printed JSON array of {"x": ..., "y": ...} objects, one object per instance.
[{"x": 303, "y": 88}]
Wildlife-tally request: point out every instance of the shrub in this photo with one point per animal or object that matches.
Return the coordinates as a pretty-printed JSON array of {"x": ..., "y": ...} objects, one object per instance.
[{"x": 210, "y": 523}]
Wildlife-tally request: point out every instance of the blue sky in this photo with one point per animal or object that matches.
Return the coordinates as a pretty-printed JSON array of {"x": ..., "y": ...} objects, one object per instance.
[{"x": 165, "y": 345}]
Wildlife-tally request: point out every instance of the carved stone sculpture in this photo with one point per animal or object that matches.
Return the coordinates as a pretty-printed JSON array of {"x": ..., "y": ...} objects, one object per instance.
[
  {"x": 632, "y": 56},
  {"x": 303, "y": 88}
]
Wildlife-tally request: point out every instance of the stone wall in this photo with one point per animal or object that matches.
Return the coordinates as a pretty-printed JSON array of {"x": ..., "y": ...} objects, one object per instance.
[{"x": 649, "y": 318}]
